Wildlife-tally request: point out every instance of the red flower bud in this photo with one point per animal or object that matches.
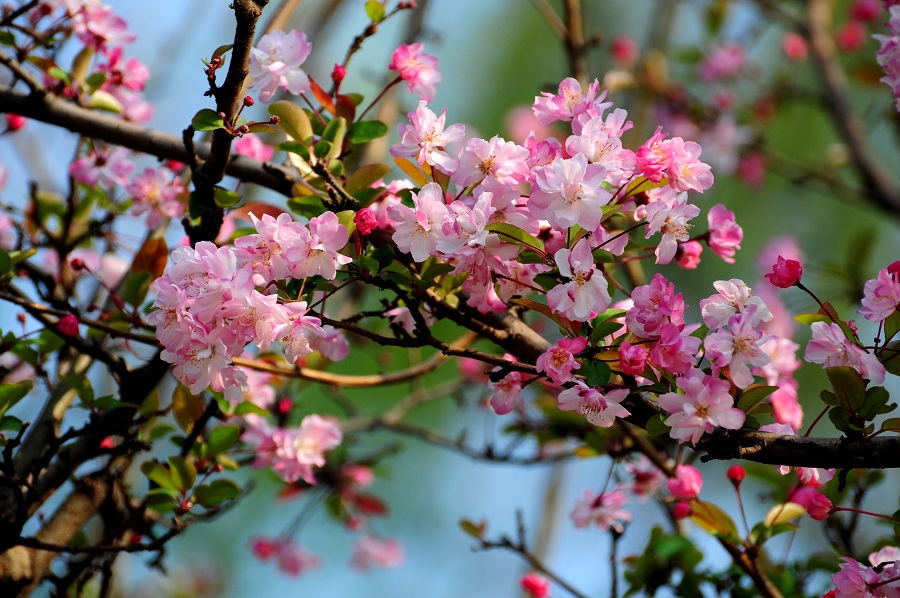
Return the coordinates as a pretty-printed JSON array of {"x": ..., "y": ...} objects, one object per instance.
[
  {"x": 68, "y": 325},
  {"x": 77, "y": 264},
  {"x": 736, "y": 474},
  {"x": 338, "y": 73},
  {"x": 682, "y": 510},
  {"x": 365, "y": 221},
  {"x": 535, "y": 586},
  {"x": 14, "y": 122},
  {"x": 820, "y": 507},
  {"x": 248, "y": 101},
  {"x": 785, "y": 273}
]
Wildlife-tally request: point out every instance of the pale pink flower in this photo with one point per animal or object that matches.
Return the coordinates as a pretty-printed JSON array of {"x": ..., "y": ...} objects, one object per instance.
[
  {"x": 669, "y": 216},
  {"x": 508, "y": 393},
  {"x": 558, "y": 362},
  {"x": 419, "y": 229},
  {"x": 646, "y": 477},
  {"x": 830, "y": 347},
  {"x": 738, "y": 348},
  {"x": 726, "y": 61},
  {"x": 496, "y": 160},
  {"x": 725, "y": 235},
  {"x": 98, "y": 26},
  {"x": 332, "y": 344},
  {"x": 371, "y": 551},
  {"x": 887, "y": 554},
  {"x": 569, "y": 192},
  {"x": 686, "y": 484},
  {"x": 599, "y": 409},
  {"x": 734, "y": 297},
  {"x": 106, "y": 168},
  {"x": 155, "y": 191},
  {"x": 417, "y": 68},
  {"x": 294, "y": 452},
  {"x": 686, "y": 171},
  {"x": 600, "y": 145},
  {"x": 786, "y": 407},
  {"x": 569, "y": 102},
  {"x": 425, "y": 139},
  {"x": 275, "y": 63},
  {"x": 7, "y": 233},
  {"x": 888, "y": 55},
  {"x": 705, "y": 404},
  {"x": 587, "y": 290},
  {"x": 291, "y": 558},
  {"x": 655, "y": 304},
  {"x": 855, "y": 580},
  {"x": 603, "y": 510},
  {"x": 882, "y": 296},
  {"x": 252, "y": 147}
]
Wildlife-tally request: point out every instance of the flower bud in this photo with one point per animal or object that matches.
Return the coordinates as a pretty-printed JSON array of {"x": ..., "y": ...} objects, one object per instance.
[
  {"x": 682, "y": 510},
  {"x": 785, "y": 273},
  {"x": 248, "y": 101},
  {"x": 77, "y": 264},
  {"x": 14, "y": 122},
  {"x": 535, "y": 586},
  {"x": 338, "y": 74},
  {"x": 365, "y": 221},
  {"x": 736, "y": 474},
  {"x": 68, "y": 325},
  {"x": 820, "y": 507}
]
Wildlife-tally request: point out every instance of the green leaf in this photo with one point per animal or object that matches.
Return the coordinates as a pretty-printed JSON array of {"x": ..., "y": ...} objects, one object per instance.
[
  {"x": 5, "y": 262},
  {"x": 365, "y": 176},
  {"x": 807, "y": 319},
  {"x": 656, "y": 426},
  {"x": 82, "y": 387},
  {"x": 848, "y": 385},
  {"x": 309, "y": 206},
  {"x": 892, "y": 325},
  {"x": 161, "y": 501},
  {"x": 186, "y": 407},
  {"x": 7, "y": 38},
  {"x": 184, "y": 474},
  {"x": 375, "y": 10},
  {"x": 603, "y": 330},
  {"x": 596, "y": 373},
  {"x": 10, "y": 394},
  {"x": 10, "y": 423},
  {"x": 217, "y": 492},
  {"x": 476, "y": 530},
  {"x": 891, "y": 425},
  {"x": 754, "y": 396},
  {"x": 225, "y": 198},
  {"x": 222, "y": 50},
  {"x": 293, "y": 120},
  {"x": 840, "y": 417},
  {"x": 334, "y": 134},
  {"x": 829, "y": 398},
  {"x": 221, "y": 440},
  {"x": 246, "y": 408},
  {"x": 384, "y": 255},
  {"x": 158, "y": 473},
  {"x": 514, "y": 234},
  {"x": 875, "y": 403},
  {"x": 136, "y": 286},
  {"x": 366, "y": 130},
  {"x": 207, "y": 119}
]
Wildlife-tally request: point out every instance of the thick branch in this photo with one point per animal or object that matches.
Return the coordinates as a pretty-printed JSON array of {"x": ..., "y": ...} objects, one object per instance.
[{"x": 56, "y": 111}]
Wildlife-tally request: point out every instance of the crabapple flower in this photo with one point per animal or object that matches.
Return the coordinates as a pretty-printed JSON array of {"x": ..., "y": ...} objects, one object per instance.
[
  {"x": 676, "y": 349},
  {"x": 252, "y": 147},
  {"x": 888, "y": 56},
  {"x": 603, "y": 510},
  {"x": 830, "y": 347},
  {"x": 275, "y": 63},
  {"x": 294, "y": 452},
  {"x": 103, "y": 168},
  {"x": 419, "y": 229},
  {"x": 725, "y": 235},
  {"x": 736, "y": 474},
  {"x": 425, "y": 139},
  {"x": 794, "y": 46},
  {"x": 536, "y": 586},
  {"x": 98, "y": 26},
  {"x": 688, "y": 255},
  {"x": 785, "y": 273},
  {"x": 705, "y": 404},
  {"x": 820, "y": 507},
  {"x": 370, "y": 551},
  {"x": 669, "y": 215},
  {"x": 587, "y": 291},
  {"x": 655, "y": 304},
  {"x": 568, "y": 192},
  {"x": 155, "y": 191},
  {"x": 686, "y": 484},
  {"x": 599, "y": 409},
  {"x": 508, "y": 391},
  {"x": 723, "y": 62},
  {"x": 855, "y": 580},
  {"x": 365, "y": 221},
  {"x": 291, "y": 559},
  {"x": 496, "y": 160},
  {"x": 632, "y": 358},
  {"x": 569, "y": 102},
  {"x": 646, "y": 477},
  {"x": 68, "y": 325},
  {"x": 886, "y": 554},
  {"x": 417, "y": 68},
  {"x": 686, "y": 172},
  {"x": 738, "y": 348},
  {"x": 882, "y": 295},
  {"x": 734, "y": 297},
  {"x": 558, "y": 362}
]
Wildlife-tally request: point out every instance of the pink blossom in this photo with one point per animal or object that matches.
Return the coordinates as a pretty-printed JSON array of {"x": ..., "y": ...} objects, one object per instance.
[
  {"x": 669, "y": 216},
  {"x": 536, "y": 586},
  {"x": 558, "y": 362},
  {"x": 655, "y": 304},
  {"x": 252, "y": 147},
  {"x": 794, "y": 46},
  {"x": 686, "y": 484},
  {"x": 7, "y": 232},
  {"x": 633, "y": 358},
  {"x": 888, "y": 55},
  {"x": 508, "y": 393},
  {"x": 603, "y": 510},
  {"x": 726, "y": 61},
  {"x": 568, "y": 192},
  {"x": 687, "y": 255},
  {"x": 106, "y": 168},
  {"x": 651, "y": 159},
  {"x": 734, "y": 297},
  {"x": 785, "y": 273},
  {"x": 569, "y": 102},
  {"x": 599, "y": 409},
  {"x": 365, "y": 221},
  {"x": 705, "y": 404},
  {"x": 130, "y": 74},
  {"x": 496, "y": 160},
  {"x": 725, "y": 235},
  {"x": 425, "y": 139},
  {"x": 830, "y": 347},
  {"x": 624, "y": 50},
  {"x": 887, "y": 554},
  {"x": 751, "y": 169},
  {"x": 332, "y": 344},
  {"x": 682, "y": 510},
  {"x": 736, "y": 474},
  {"x": 602, "y": 146},
  {"x": 851, "y": 36},
  {"x": 371, "y": 551},
  {"x": 417, "y": 68},
  {"x": 646, "y": 477},
  {"x": 587, "y": 290},
  {"x": 291, "y": 559},
  {"x": 68, "y": 325},
  {"x": 820, "y": 508},
  {"x": 317, "y": 252},
  {"x": 882, "y": 296},
  {"x": 294, "y": 452},
  {"x": 738, "y": 349},
  {"x": 275, "y": 63},
  {"x": 676, "y": 350},
  {"x": 98, "y": 26},
  {"x": 419, "y": 229},
  {"x": 855, "y": 580},
  {"x": 155, "y": 191},
  {"x": 686, "y": 171}
]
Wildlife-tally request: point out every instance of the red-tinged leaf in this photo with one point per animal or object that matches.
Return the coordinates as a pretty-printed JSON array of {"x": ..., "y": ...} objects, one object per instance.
[
  {"x": 370, "y": 505},
  {"x": 322, "y": 96},
  {"x": 257, "y": 208},
  {"x": 713, "y": 519},
  {"x": 290, "y": 491},
  {"x": 346, "y": 107},
  {"x": 413, "y": 171},
  {"x": 151, "y": 257},
  {"x": 476, "y": 530}
]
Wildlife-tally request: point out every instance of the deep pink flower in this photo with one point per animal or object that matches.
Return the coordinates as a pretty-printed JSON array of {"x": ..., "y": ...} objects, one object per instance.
[
  {"x": 785, "y": 273},
  {"x": 851, "y": 36},
  {"x": 655, "y": 304},
  {"x": 68, "y": 325},
  {"x": 365, "y": 221},
  {"x": 725, "y": 235},
  {"x": 687, "y": 255},
  {"x": 632, "y": 358},
  {"x": 252, "y": 147},
  {"x": 820, "y": 508},
  {"x": 686, "y": 484},
  {"x": 536, "y": 586},
  {"x": 682, "y": 510},
  {"x": 624, "y": 50},
  {"x": 558, "y": 362},
  {"x": 417, "y": 68},
  {"x": 736, "y": 474},
  {"x": 676, "y": 350},
  {"x": 794, "y": 46},
  {"x": 15, "y": 122}
]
